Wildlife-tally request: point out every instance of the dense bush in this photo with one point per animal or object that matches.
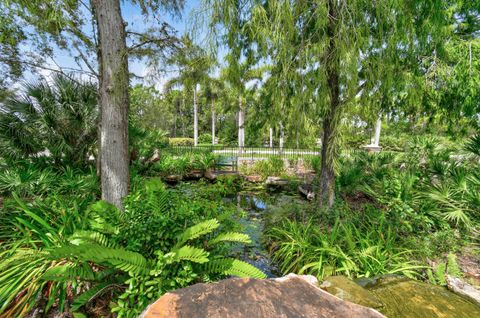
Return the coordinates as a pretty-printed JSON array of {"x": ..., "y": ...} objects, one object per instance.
[
  {"x": 64, "y": 255},
  {"x": 180, "y": 141},
  {"x": 392, "y": 208},
  {"x": 205, "y": 139},
  {"x": 182, "y": 164},
  {"x": 307, "y": 248},
  {"x": 27, "y": 179},
  {"x": 57, "y": 118},
  {"x": 273, "y": 166}
]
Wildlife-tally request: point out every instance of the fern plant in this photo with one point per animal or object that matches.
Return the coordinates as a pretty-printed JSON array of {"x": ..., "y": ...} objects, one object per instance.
[{"x": 87, "y": 251}]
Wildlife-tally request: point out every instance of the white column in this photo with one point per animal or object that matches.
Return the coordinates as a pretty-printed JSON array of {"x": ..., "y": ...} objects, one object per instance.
[
  {"x": 241, "y": 122},
  {"x": 195, "y": 117},
  {"x": 378, "y": 128},
  {"x": 281, "y": 136},
  {"x": 213, "y": 122}
]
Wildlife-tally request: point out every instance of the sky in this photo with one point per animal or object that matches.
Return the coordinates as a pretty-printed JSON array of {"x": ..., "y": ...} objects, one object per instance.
[{"x": 131, "y": 14}]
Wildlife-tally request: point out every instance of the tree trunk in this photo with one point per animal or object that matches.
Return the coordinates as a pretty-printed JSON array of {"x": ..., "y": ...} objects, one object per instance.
[
  {"x": 114, "y": 102},
  {"x": 331, "y": 121},
  {"x": 241, "y": 123},
  {"x": 213, "y": 122},
  {"x": 282, "y": 136},
  {"x": 378, "y": 129},
  {"x": 195, "y": 117},
  {"x": 271, "y": 137},
  {"x": 184, "y": 134},
  {"x": 177, "y": 109}
]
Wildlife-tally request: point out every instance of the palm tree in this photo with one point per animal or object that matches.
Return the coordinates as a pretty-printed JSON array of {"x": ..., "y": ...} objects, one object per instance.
[
  {"x": 194, "y": 65},
  {"x": 213, "y": 90},
  {"x": 57, "y": 118}
]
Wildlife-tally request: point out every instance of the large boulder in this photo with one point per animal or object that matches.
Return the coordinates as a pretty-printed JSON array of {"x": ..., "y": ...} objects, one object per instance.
[{"x": 291, "y": 296}]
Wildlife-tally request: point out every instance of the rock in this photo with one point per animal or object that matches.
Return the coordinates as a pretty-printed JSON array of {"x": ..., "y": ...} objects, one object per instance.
[
  {"x": 154, "y": 158},
  {"x": 372, "y": 148},
  {"x": 173, "y": 178},
  {"x": 404, "y": 298},
  {"x": 348, "y": 290},
  {"x": 276, "y": 181},
  {"x": 254, "y": 178},
  {"x": 462, "y": 288},
  {"x": 210, "y": 175},
  {"x": 307, "y": 191},
  {"x": 288, "y": 297},
  {"x": 194, "y": 175}
]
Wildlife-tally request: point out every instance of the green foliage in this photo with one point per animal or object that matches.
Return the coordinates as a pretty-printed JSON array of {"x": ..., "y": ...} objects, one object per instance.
[
  {"x": 205, "y": 139},
  {"x": 180, "y": 141},
  {"x": 313, "y": 163},
  {"x": 273, "y": 166},
  {"x": 157, "y": 244},
  {"x": 58, "y": 118},
  {"x": 28, "y": 179},
  {"x": 449, "y": 267},
  {"x": 473, "y": 145},
  {"x": 346, "y": 249},
  {"x": 425, "y": 187}
]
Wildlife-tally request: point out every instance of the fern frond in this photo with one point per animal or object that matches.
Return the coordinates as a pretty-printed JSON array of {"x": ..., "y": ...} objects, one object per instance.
[
  {"x": 90, "y": 294},
  {"x": 190, "y": 253},
  {"x": 197, "y": 231},
  {"x": 231, "y": 237},
  {"x": 230, "y": 266},
  {"x": 69, "y": 272},
  {"x": 85, "y": 237},
  {"x": 124, "y": 260}
]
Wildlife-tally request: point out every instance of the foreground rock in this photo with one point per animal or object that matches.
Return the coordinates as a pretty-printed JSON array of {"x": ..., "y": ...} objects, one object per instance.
[
  {"x": 287, "y": 297},
  {"x": 460, "y": 287},
  {"x": 404, "y": 298}
]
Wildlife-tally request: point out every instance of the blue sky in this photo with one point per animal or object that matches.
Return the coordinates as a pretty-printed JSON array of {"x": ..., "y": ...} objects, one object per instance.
[{"x": 132, "y": 14}]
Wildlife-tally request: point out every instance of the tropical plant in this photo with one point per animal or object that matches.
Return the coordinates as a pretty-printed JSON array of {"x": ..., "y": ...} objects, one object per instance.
[
  {"x": 57, "y": 120},
  {"x": 52, "y": 252},
  {"x": 306, "y": 248}
]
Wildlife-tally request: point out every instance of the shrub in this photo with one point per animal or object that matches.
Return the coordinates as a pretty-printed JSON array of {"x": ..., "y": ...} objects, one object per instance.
[
  {"x": 205, "y": 139},
  {"x": 307, "y": 248},
  {"x": 180, "y": 141},
  {"x": 58, "y": 118},
  {"x": 67, "y": 254}
]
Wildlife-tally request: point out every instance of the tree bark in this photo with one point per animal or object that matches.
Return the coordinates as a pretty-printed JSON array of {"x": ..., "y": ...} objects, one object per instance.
[
  {"x": 195, "y": 117},
  {"x": 114, "y": 102},
  {"x": 331, "y": 121},
  {"x": 213, "y": 122}
]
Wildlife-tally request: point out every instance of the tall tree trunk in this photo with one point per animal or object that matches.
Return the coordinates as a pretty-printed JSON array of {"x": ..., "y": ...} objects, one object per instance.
[
  {"x": 114, "y": 101},
  {"x": 195, "y": 117},
  {"x": 213, "y": 122},
  {"x": 183, "y": 121},
  {"x": 177, "y": 107},
  {"x": 241, "y": 124},
  {"x": 378, "y": 129},
  {"x": 282, "y": 136},
  {"x": 331, "y": 121},
  {"x": 271, "y": 137}
]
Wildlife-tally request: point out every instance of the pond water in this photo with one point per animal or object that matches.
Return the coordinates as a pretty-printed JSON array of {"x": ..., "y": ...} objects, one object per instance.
[{"x": 255, "y": 253}]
